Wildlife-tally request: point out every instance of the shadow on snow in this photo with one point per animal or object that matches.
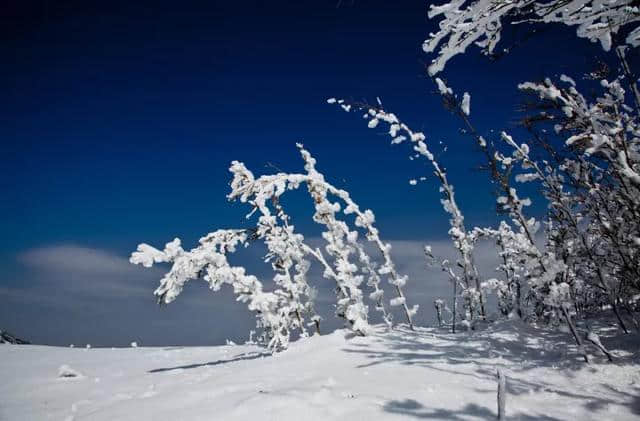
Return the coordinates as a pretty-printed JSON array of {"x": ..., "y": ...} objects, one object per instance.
[
  {"x": 514, "y": 345},
  {"x": 241, "y": 357}
]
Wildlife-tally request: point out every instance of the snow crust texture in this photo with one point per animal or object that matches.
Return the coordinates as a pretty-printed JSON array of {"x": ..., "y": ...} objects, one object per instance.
[{"x": 389, "y": 375}]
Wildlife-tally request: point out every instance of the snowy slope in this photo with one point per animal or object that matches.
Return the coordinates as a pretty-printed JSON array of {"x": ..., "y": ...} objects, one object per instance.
[{"x": 388, "y": 375}]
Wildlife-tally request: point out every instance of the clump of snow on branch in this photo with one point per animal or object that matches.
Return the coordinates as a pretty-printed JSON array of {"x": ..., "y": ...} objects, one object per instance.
[
  {"x": 466, "y": 103},
  {"x": 463, "y": 242},
  {"x": 209, "y": 261},
  {"x": 289, "y": 308},
  {"x": 465, "y": 23}
]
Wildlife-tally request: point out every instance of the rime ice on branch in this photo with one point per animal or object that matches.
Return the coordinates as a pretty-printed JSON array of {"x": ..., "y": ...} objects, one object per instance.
[
  {"x": 287, "y": 308},
  {"x": 480, "y": 22},
  {"x": 342, "y": 242},
  {"x": 209, "y": 261},
  {"x": 463, "y": 242}
]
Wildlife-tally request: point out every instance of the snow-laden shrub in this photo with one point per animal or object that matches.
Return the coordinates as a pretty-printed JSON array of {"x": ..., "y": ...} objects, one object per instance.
[
  {"x": 289, "y": 308},
  {"x": 587, "y": 256},
  {"x": 468, "y": 280}
]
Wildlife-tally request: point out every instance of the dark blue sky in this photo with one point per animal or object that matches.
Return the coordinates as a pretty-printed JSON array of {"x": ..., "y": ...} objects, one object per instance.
[{"x": 118, "y": 123}]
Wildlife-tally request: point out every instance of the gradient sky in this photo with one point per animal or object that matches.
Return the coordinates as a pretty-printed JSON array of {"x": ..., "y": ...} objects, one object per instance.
[{"x": 119, "y": 121}]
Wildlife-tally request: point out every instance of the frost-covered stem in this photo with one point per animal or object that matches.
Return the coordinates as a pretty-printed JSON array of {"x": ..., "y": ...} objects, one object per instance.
[
  {"x": 621, "y": 52},
  {"x": 519, "y": 299},
  {"x": 511, "y": 280},
  {"x": 502, "y": 179},
  {"x": 458, "y": 231},
  {"x": 318, "y": 188},
  {"x": 560, "y": 204},
  {"x": 454, "y": 279},
  {"x": 351, "y": 306},
  {"x": 461, "y": 109},
  {"x": 283, "y": 246},
  {"x": 595, "y": 340},
  {"x": 365, "y": 220},
  {"x": 438, "y": 306},
  {"x": 575, "y": 334},
  {"x": 625, "y": 305},
  {"x": 299, "y": 317},
  {"x": 372, "y": 235},
  {"x": 455, "y": 305},
  {"x": 288, "y": 284},
  {"x": 602, "y": 127},
  {"x": 479, "y": 23},
  {"x": 342, "y": 242},
  {"x": 247, "y": 188},
  {"x": 374, "y": 281},
  {"x": 328, "y": 269},
  {"x": 502, "y": 395},
  {"x": 627, "y": 260},
  {"x": 458, "y": 225},
  {"x": 616, "y": 311},
  {"x": 300, "y": 263},
  {"x": 209, "y": 261}
]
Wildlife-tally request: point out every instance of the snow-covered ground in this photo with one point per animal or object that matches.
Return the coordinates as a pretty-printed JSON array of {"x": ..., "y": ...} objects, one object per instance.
[{"x": 389, "y": 375}]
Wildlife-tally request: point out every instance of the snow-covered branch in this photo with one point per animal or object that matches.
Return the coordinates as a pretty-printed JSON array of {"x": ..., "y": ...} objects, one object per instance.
[{"x": 481, "y": 22}]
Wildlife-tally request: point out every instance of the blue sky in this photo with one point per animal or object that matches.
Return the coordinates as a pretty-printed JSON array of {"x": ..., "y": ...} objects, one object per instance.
[{"x": 119, "y": 122}]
